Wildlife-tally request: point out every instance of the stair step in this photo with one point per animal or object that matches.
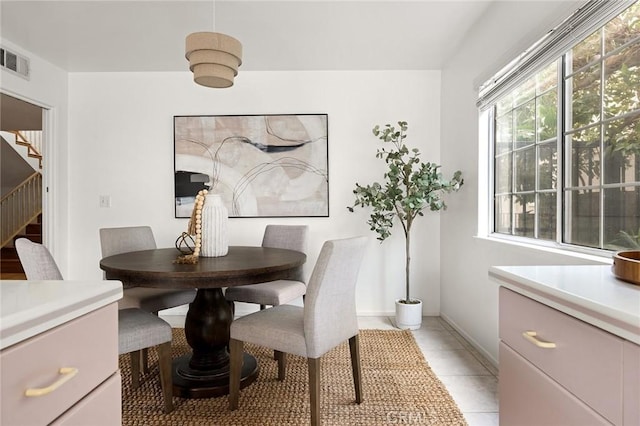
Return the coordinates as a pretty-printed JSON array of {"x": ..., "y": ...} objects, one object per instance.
[
  {"x": 8, "y": 253},
  {"x": 9, "y": 262},
  {"x": 36, "y": 238},
  {"x": 34, "y": 228},
  {"x": 11, "y": 266},
  {"x": 12, "y": 276}
]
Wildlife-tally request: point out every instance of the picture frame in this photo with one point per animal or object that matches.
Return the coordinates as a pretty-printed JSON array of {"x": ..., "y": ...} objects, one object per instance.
[{"x": 272, "y": 165}]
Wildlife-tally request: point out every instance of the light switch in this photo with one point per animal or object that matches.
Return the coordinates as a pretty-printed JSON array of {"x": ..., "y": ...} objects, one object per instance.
[{"x": 105, "y": 201}]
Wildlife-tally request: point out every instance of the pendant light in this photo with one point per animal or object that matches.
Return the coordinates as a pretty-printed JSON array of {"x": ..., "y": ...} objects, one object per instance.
[{"x": 213, "y": 57}]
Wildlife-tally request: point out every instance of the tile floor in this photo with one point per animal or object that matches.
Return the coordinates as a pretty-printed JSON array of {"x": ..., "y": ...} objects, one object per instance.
[{"x": 470, "y": 379}]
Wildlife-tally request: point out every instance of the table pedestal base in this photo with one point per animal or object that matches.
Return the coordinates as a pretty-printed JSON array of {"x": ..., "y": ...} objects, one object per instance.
[
  {"x": 190, "y": 383},
  {"x": 205, "y": 372}
]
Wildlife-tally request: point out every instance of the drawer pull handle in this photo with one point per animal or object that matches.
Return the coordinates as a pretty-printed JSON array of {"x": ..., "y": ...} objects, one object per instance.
[
  {"x": 531, "y": 336},
  {"x": 67, "y": 374}
]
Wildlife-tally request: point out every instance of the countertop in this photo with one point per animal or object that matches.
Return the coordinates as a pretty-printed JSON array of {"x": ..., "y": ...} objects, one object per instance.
[
  {"x": 28, "y": 308},
  {"x": 590, "y": 293}
]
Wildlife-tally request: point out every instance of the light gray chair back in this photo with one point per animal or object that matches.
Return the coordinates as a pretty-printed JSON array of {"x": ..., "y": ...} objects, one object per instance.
[
  {"x": 36, "y": 260},
  {"x": 130, "y": 238},
  {"x": 330, "y": 304},
  {"x": 290, "y": 237}
]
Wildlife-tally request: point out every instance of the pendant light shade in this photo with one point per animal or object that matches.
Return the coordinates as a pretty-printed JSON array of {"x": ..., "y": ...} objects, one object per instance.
[{"x": 213, "y": 58}]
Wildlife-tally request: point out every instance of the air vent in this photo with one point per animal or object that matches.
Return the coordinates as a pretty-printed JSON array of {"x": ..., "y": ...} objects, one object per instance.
[{"x": 15, "y": 63}]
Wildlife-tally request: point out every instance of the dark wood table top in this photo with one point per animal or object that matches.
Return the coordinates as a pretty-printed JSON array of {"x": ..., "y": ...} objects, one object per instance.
[{"x": 242, "y": 265}]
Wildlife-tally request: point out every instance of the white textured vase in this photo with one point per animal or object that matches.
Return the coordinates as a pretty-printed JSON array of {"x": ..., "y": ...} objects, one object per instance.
[{"x": 215, "y": 241}]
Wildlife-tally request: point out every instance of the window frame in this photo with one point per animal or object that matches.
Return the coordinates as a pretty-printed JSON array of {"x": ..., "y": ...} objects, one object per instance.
[{"x": 499, "y": 87}]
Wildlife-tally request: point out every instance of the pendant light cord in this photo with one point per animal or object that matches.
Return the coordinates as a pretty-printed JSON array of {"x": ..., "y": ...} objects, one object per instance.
[{"x": 214, "y": 16}]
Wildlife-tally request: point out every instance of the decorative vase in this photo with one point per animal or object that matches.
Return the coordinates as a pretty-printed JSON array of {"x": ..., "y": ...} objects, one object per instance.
[
  {"x": 408, "y": 315},
  {"x": 215, "y": 242}
]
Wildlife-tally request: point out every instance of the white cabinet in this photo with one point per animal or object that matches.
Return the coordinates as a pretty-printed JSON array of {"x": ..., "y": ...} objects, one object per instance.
[
  {"x": 582, "y": 360},
  {"x": 102, "y": 407},
  {"x": 59, "y": 358},
  {"x": 631, "y": 372},
  {"x": 528, "y": 397},
  {"x": 87, "y": 348},
  {"x": 556, "y": 369}
]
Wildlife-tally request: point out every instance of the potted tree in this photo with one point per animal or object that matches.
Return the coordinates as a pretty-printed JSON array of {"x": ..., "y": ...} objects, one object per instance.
[{"x": 410, "y": 187}]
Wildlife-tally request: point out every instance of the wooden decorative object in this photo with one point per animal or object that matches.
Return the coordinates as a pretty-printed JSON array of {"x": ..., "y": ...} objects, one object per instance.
[
  {"x": 626, "y": 266},
  {"x": 195, "y": 228}
]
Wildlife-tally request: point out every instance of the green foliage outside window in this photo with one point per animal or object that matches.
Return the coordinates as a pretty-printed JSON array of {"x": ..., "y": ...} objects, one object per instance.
[{"x": 600, "y": 144}]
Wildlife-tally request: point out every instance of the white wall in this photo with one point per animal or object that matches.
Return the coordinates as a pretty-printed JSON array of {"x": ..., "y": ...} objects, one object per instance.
[
  {"x": 120, "y": 129},
  {"x": 469, "y": 299},
  {"x": 47, "y": 88},
  {"x": 121, "y": 139}
]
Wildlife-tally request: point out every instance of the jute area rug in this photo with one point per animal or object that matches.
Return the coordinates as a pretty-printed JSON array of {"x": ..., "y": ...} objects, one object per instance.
[{"x": 398, "y": 388}]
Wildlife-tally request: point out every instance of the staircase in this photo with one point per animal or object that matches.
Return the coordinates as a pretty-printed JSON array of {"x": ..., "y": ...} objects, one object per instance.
[
  {"x": 21, "y": 209},
  {"x": 32, "y": 141},
  {"x": 10, "y": 267}
]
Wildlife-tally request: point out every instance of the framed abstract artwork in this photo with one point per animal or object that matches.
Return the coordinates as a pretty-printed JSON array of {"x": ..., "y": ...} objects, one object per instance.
[{"x": 263, "y": 165}]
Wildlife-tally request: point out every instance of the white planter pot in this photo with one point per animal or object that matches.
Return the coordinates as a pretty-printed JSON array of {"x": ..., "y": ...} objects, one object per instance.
[{"x": 408, "y": 315}]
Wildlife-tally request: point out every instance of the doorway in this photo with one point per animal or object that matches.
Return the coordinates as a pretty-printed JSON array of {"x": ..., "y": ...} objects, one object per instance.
[{"x": 21, "y": 174}]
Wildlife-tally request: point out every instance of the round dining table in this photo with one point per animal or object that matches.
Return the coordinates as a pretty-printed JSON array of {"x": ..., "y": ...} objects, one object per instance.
[{"x": 205, "y": 372}]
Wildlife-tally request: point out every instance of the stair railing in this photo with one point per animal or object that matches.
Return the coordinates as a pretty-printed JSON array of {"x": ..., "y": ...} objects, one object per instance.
[
  {"x": 32, "y": 139},
  {"x": 20, "y": 207}
]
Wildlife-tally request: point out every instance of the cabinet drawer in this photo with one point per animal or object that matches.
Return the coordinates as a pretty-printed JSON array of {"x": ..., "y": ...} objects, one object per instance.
[
  {"x": 585, "y": 359},
  {"x": 631, "y": 402},
  {"x": 88, "y": 344},
  {"x": 102, "y": 407},
  {"x": 528, "y": 397}
]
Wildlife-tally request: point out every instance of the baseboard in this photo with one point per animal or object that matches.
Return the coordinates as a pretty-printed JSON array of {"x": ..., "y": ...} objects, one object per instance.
[
  {"x": 471, "y": 340},
  {"x": 178, "y": 310},
  {"x": 375, "y": 314}
]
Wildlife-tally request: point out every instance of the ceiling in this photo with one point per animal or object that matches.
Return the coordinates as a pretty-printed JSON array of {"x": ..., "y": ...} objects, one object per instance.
[{"x": 119, "y": 35}]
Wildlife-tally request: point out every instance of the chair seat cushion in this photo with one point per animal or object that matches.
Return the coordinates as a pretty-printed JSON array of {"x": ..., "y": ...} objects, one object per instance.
[
  {"x": 155, "y": 299},
  {"x": 271, "y": 293},
  {"x": 280, "y": 328},
  {"x": 138, "y": 329}
]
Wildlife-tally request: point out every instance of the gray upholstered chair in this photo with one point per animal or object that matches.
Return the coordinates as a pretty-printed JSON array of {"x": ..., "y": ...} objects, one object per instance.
[
  {"x": 327, "y": 319},
  {"x": 273, "y": 293},
  {"x": 36, "y": 260},
  {"x": 135, "y": 238},
  {"x": 137, "y": 329}
]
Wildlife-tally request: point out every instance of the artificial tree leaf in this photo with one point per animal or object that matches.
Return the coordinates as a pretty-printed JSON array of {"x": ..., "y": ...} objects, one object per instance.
[{"x": 410, "y": 187}]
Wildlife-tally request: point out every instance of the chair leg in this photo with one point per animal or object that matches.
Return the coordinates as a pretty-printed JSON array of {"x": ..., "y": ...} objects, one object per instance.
[
  {"x": 164, "y": 365},
  {"x": 235, "y": 370},
  {"x": 354, "y": 348},
  {"x": 135, "y": 369},
  {"x": 275, "y": 353},
  {"x": 314, "y": 389},
  {"x": 281, "y": 357}
]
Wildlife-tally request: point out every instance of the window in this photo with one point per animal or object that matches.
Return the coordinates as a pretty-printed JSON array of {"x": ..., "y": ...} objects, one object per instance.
[{"x": 566, "y": 141}]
